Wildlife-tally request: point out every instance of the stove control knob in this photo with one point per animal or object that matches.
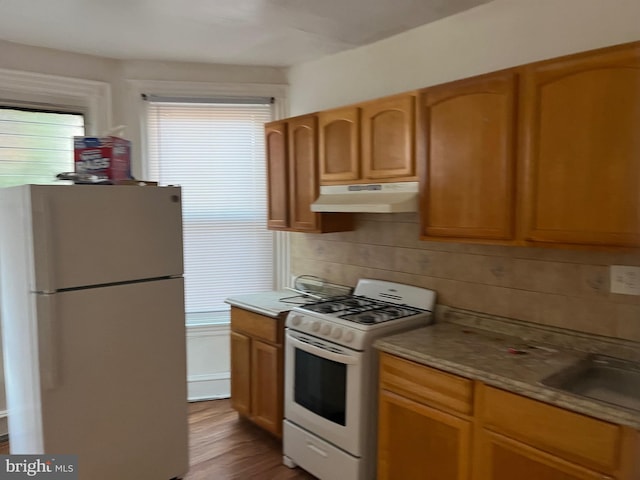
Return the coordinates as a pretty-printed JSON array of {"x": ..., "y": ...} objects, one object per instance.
[
  {"x": 348, "y": 337},
  {"x": 297, "y": 320},
  {"x": 315, "y": 326},
  {"x": 337, "y": 333},
  {"x": 326, "y": 329}
]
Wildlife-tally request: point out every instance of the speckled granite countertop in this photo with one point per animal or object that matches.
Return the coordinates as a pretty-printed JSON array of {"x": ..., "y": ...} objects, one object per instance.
[{"x": 477, "y": 347}]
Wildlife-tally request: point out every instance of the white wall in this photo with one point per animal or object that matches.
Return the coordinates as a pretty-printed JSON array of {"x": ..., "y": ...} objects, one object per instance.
[
  {"x": 500, "y": 34},
  {"x": 118, "y": 73},
  {"x": 14, "y": 56},
  {"x": 208, "y": 362}
]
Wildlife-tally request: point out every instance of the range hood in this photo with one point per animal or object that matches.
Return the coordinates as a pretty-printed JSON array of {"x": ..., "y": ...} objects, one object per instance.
[{"x": 373, "y": 198}]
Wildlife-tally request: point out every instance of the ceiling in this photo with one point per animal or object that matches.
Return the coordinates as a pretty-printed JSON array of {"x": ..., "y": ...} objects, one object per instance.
[{"x": 240, "y": 32}]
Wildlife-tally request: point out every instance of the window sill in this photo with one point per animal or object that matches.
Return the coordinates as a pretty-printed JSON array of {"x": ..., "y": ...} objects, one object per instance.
[{"x": 202, "y": 319}]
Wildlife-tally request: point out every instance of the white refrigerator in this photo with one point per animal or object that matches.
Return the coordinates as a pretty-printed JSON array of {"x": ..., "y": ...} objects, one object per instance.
[{"x": 93, "y": 332}]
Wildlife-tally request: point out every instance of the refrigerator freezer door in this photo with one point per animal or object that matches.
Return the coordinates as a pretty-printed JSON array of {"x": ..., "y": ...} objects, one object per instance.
[
  {"x": 113, "y": 383},
  {"x": 87, "y": 235}
]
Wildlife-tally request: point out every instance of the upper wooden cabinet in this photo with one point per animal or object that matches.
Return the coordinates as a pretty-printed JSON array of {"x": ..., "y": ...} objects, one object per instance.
[
  {"x": 369, "y": 142},
  {"x": 468, "y": 183},
  {"x": 339, "y": 145},
  {"x": 292, "y": 171},
  {"x": 581, "y": 149},
  {"x": 303, "y": 179},
  {"x": 388, "y": 138},
  {"x": 543, "y": 154},
  {"x": 277, "y": 175}
]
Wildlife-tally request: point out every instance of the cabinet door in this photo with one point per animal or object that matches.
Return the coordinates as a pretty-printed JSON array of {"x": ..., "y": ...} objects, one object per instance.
[
  {"x": 500, "y": 458},
  {"x": 468, "y": 185},
  {"x": 278, "y": 175},
  {"x": 303, "y": 173},
  {"x": 582, "y": 149},
  {"x": 339, "y": 145},
  {"x": 267, "y": 389},
  {"x": 388, "y": 137},
  {"x": 241, "y": 373},
  {"x": 416, "y": 442}
]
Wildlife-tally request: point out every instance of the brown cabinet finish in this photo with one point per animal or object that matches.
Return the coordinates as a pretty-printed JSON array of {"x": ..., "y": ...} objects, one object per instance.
[
  {"x": 417, "y": 442},
  {"x": 468, "y": 183},
  {"x": 292, "y": 163},
  {"x": 339, "y": 145},
  {"x": 578, "y": 438},
  {"x": 435, "y": 425},
  {"x": 370, "y": 142},
  {"x": 241, "y": 373},
  {"x": 582, "y": 149},
  {"x": 505, "y": 459},
  {"x": 277, "y": 175},
  {"x": 417, "y": 436},
  {"x": 542, "y": 154},
  {"x": 303, "y": 167},
  {"x": 267, "y": 388},
  {"x": 257, "y": 368},
  {"x": 516, "y": 433},
  {"x": 426, "y": 385},
  {"x": 388, "y": 138}
]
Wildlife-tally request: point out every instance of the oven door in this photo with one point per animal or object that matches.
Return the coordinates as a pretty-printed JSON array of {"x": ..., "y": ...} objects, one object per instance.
[{"x": 323, "y": 389}]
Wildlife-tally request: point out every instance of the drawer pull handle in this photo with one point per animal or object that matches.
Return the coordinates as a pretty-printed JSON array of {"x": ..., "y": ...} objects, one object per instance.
[{"x": 320, "y": 452}]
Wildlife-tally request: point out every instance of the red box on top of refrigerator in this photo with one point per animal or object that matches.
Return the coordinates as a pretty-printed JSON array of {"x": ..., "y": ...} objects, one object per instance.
[{"x": 107, "y": 157}]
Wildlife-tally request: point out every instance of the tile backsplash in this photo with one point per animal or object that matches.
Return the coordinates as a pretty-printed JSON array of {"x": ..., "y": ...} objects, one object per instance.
[{"x": 549, "y": 286}]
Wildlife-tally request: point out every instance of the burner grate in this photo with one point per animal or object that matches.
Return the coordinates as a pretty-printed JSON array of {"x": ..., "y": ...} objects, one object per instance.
[
  {"x": 380, "y": 315},
  {"x": 362, "y": 310}
]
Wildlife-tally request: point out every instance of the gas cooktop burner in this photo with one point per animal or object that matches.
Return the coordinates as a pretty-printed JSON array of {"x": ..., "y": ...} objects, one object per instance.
[
  {"x": 340, "y": 304},
  {"x": 362, "y": 310},
  {"x": 380, "y": 315}
]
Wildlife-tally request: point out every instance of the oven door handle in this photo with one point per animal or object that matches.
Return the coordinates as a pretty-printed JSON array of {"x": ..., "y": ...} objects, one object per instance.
[{"x": 321, "y": 352}]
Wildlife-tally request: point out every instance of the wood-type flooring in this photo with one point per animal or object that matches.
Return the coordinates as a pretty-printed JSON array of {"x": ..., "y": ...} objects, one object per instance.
[{"x": 225, "y": 447}]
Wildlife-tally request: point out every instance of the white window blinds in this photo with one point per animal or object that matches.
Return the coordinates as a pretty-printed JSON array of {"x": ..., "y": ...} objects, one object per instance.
[
  {"x": 215, "y": 152},
  {"x": 36, "y": 145}
]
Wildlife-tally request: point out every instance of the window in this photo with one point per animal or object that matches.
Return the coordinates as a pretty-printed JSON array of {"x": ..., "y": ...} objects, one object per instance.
[
  {"x": 36, "y": 145},
  {"x": 215, "y": 152},
  {"x": 38, "y": 116}
]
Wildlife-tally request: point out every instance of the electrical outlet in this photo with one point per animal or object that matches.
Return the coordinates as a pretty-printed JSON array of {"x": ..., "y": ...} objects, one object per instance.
[{"x": 625, "y": 280}]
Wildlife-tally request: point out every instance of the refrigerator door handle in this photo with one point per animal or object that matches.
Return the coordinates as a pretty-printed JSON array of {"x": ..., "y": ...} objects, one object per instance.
[
  {"x": 48, "y": 340},
  {"x": 45, "y": 264}
]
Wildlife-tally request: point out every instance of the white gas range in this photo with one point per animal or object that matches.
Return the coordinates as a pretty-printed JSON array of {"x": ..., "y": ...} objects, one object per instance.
[{"x": 331, "y": 375}]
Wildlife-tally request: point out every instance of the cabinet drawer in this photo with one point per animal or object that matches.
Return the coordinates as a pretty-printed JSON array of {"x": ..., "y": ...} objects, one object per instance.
[
  {"x": 256, "y": 325},
  {"x": 575, "y": 437},
  {"x": 426, "y": 385}
]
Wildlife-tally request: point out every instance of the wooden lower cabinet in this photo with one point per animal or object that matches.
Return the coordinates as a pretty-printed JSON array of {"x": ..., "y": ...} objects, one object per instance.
[
  {"x": 241, "y": 373},
  {"x": 266, "y": 387},
  {"x": 501, "y": 458},
  {"x": 418, "y": 442},
  {"x": 257, "y": 368},
  {"x": 433, "y": 425}
]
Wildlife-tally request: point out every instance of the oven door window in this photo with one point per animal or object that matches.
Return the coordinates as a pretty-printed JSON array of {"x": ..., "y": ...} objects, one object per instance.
[{"x": 320, "y": 386}]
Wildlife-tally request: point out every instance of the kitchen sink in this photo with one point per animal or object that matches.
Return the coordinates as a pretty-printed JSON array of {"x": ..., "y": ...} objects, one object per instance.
[{"x": 602, "y": 378}]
